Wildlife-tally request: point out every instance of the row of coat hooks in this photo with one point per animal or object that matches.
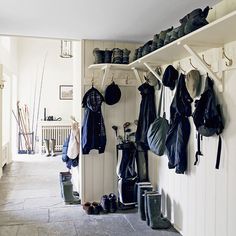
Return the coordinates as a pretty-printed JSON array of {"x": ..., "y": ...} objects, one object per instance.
[
  {"x": 229, "y": 63},
  {"x": 112, "y": 79}
]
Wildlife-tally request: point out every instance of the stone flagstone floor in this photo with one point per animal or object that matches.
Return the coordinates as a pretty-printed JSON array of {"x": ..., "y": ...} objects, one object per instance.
[{"x": 30, "y": 205}]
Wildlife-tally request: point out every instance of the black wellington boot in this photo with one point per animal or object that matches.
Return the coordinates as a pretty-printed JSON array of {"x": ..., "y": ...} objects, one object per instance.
[
  {"x": 142, "y": 163},
  {"x": 154, "y": 212},
  {"x": 117, "y": 56},
  {"x": 146, "y": 192},
  {"x": 141, "y": 190},
  {"x": 107, "y": 56},
  {"x": 136, "y": 186},
  {"x": 98, "y": 55},
  {"x": 135, "y": 55},
  {"x": 126, "y": 53}
]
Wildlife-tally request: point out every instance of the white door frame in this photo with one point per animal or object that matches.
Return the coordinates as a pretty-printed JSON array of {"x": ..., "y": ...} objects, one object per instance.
[{"x": 1, "y": 88}]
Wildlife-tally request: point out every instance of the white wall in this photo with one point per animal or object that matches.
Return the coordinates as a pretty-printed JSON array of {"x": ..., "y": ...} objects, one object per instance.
[
  {"x": 58, "y": 71},
  {"x": 202, "y": 202},
  {"x": 98, "y": 170},
  {"x": 8, "y": 60}
]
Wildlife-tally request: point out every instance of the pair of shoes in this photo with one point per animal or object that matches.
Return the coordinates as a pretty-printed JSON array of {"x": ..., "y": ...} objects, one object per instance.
[
  {"x": 92, "y": 208},
  {"x": 109, "y": 203},
  {"x": 50, "y": 146}
]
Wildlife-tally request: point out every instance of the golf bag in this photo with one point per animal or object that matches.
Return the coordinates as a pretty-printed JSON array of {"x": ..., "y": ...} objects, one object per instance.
[{"x": 127, "y": 176}]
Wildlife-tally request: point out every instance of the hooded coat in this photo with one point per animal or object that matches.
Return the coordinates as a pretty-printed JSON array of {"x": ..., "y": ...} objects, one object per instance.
[
  {"x": 147, "y": 114},
  {"x": 179, "y": 131},
  {"x": 93, "y": 129}
]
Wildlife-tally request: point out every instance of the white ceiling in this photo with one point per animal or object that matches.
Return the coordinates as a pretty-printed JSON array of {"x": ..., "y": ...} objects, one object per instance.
[{"x": 123, "y": 20}]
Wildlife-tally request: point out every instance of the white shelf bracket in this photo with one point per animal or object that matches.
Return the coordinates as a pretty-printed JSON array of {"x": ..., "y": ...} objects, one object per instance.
[
  {"x": 137, "y": 74},
  {"x": 211, "y": 73},
  {"x": 105, "y": 75},
  {"x": 153, "y": 72}
]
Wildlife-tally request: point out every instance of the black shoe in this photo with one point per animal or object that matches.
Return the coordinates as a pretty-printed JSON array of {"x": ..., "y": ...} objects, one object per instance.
[
  {"x": 113, "y": 202},
  {"x": 88, "y": 208},
  {"x": 96, "y": 208},
  {"x": 105, "y": 203}
]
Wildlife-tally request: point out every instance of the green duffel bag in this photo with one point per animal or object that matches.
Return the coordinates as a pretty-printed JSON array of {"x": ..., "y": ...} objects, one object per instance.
[{"x": 157, "y": 132}]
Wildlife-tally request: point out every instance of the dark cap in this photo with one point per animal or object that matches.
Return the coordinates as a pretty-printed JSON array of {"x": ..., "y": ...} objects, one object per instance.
[
  {"x": 169, "y": 77},
  {"x": 112, "y": 94}
]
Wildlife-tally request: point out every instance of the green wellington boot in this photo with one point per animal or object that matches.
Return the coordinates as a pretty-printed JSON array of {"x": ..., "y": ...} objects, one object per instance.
[
  {"x": 154, "y": 212},
  {"x": 69, "y": 198},
  {"x": 46, "y": 143},
  {"x": 53, "y": 147}
]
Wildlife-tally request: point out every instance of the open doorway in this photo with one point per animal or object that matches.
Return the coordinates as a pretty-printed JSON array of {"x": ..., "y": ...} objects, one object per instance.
[{"x": 37, "y": 103}]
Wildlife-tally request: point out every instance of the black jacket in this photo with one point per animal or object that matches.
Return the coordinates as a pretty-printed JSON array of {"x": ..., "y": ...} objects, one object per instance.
[
  {"x": 179, "y": 132},
  {"x": 147, "y": 114}
]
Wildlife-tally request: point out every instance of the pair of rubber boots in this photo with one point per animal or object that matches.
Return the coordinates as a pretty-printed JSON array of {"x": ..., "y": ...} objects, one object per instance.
[
  {"x": 149, "y": 207},
  {"x": 67, "y": 193},
  {"x": 102, "y": 56},
  {"x": 189, "y": 23},
  {"x": 50, "y": 146},
  {"x": 109, "y": 203}
]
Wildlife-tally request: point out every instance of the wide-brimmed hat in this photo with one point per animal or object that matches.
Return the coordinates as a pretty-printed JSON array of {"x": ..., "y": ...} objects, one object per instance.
[
  {"x": 170, "y": 76},
  {"x": 151, "y": 78},
  {"x": 193, "y": 83},
  {"x": 112, "y": 94}
]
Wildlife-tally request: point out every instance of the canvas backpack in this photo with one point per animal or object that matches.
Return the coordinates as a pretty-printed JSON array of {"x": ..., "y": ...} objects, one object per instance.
[{"x": 208, "y": 119}]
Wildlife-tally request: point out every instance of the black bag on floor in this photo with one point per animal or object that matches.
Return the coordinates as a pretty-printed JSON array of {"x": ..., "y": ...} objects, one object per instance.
[
  {"x": 207, "y": 118},
  {"x": 126, "y": 191},
  {"x": 127, "y": 175}
]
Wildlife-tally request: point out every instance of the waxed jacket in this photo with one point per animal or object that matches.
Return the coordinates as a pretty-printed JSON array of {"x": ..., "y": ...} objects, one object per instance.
[
  {"x": 179, "y": 131},
  {"x": 147, "y": 114},
  {"x": 93, "y": 128}
]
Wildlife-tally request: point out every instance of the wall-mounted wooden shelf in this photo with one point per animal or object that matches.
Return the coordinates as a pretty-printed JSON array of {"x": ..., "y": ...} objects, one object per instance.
[
  {"x": 213, "y": 35},
  {"x": 111, "y": 66}
]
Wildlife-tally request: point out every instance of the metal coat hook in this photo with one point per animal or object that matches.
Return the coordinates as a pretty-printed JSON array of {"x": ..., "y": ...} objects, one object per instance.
[
  {"x": 230, "y": 63},
  {"x": 190, "y": 61},
  {"x": 127, "y": 80},
  {"x": 203, "y": 58},
  {"x": 180, "y": 68},
  {"x": 2, "y": 84},
  {"x": 92, "y": 80}
]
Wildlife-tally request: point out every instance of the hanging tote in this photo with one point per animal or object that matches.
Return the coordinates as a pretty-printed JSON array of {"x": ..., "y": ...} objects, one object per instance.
[{"x": 157, "y": 131}]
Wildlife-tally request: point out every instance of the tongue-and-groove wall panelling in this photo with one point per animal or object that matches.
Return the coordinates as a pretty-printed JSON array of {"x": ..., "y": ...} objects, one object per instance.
[
  {"x": 99, "y": 173},
  {"x": 202, "y": 201}
]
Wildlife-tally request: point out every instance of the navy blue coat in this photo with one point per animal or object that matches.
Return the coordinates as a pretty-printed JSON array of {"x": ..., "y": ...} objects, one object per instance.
[
  {"x": 179, "y": 131},
  {"x": 93, "y": 129},
  {"x": 147, "y": 114}
]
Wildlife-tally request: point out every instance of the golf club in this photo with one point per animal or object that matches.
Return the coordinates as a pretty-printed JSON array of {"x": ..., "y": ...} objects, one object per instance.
[
  {"x": 115, "y": 128},
  {"x": 126, "y": 125}
]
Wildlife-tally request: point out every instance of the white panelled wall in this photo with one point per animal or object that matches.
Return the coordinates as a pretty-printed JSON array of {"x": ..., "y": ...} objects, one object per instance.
[
  {"x": 202, "y": 201},
  {"x": 98, "y": 170}
]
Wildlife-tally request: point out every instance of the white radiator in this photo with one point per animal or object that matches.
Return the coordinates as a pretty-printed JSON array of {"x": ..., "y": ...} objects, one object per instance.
[{"x": 54, "y": 130}]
